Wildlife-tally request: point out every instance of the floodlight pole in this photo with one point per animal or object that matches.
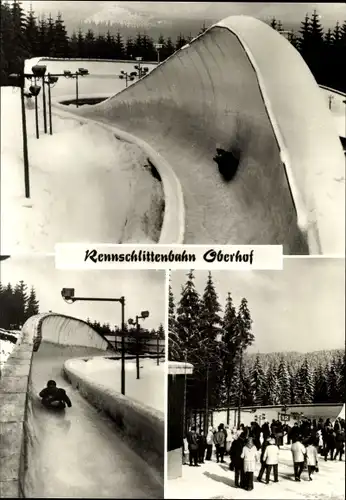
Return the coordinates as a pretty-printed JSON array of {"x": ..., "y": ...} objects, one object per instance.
[
  {"x": 137, "y": 347},
  {"x": 50, "y": 107},
  {"x": 44, "y": 105},
  {"x": 36, "y": 113},
  {"x": 122, "y": 302},
  {"x": 25, "y": 145},
  {"x": 77, "y": 89}
]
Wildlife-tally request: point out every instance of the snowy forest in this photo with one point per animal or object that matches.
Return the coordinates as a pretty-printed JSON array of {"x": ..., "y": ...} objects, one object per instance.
[
  {"x": 23, "y": 36},
  {"x": 225, "y": 374},
  {"x": 16, "y": 305}
]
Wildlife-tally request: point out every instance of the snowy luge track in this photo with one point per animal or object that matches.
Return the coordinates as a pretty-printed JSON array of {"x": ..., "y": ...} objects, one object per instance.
[
  {"x": 78, "y": 454},
  {"x": 289, "y": 187}
]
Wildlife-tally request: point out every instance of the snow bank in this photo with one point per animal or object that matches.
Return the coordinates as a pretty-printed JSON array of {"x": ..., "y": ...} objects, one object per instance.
[
  {"x": 148, "y": 390},
  {"x": 141, "y": 426},
  {"x": 9, "y": 339},
  {"x": 13, "y": 396},
  {"x": 85, "y": 185}
]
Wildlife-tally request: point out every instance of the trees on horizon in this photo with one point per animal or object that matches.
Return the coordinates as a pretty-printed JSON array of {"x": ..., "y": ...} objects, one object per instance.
[
  {"x": 212, "y": 341},
  {"x": 23, "y": 35},
  {"x": 16, "y": 305}
]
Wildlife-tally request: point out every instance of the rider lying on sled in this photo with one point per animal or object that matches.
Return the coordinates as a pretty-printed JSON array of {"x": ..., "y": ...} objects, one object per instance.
[{"x": 54, "y": 397}]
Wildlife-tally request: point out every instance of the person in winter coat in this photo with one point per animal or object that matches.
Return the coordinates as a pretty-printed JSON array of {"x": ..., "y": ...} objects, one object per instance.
[
  {"x": 263, "y": 464},
  {"x": 228, "y": 440},
  {"x": 54, "y": 397},
  {"x": 192, "y": 439},
  {"x": 202, "y": 444},
  {"x": 210, "y": 441},
  {"x": 250, "y": 457},
  {"x": 265, "y": 431},
  {"x": 339, "y": 444},
  {"x": 271, "y": 459},
  {"x": 330, "y": 444},
  {"x": 220, "y": 443},
  {"x": 237, "y": 463},
  {"x": 311, "y": 458},
  {"x": 298, "y": 454}
]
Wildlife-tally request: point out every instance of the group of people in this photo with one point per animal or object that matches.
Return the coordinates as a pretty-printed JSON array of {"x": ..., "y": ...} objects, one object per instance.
[{"x": 248, "y": 446}]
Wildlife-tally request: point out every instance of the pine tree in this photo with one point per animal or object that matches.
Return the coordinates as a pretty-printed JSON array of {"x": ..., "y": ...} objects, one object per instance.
[
  {"x": 321, "y": 385},
  {"x": 210, "y": 332},
  {"x": 244, "y": 325},
  {"x": 81, "y": 46},
  {"x": 31, "y": 33},
  {"x": 161, "y": 332},
  {"x": 168, "y": 49},
  {"x": 181, "y": 41},
  {"x": 42, "y": 37},
  {"x": 340, "y": 366},
  {"x": 229, "y": 349},
  {"x": 333, "y": 382},
  {"x": 304, "y": 39},
  {"x": 60, "y": 40},
  {"x": 176, "y": 348},
  {"x": 284, "y": 382},
  {"x": 20, "y": 298},
  {"x": 258, "y": 382},
  {"x": 305, "y": 383},
  {"x": 19, "y": 47},
  {"x": 73, "y": 45},
  {"x": 50, "y": 37},
  {"x": 293, "y": 385},
  {"x": 89, "y": 42},
  {"x": 130, "y": 48},
  {"x": 272, "y": 395},
  {"x": 273, "y": 23},
  {"x": 32, "y": 305},
  {"x": 119, "y": 49}
]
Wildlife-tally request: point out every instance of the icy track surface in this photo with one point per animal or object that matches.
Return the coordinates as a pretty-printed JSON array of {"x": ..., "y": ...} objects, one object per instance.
[
  {"x": 85, "y": 185},
  {"x": 77, "y": 454}
]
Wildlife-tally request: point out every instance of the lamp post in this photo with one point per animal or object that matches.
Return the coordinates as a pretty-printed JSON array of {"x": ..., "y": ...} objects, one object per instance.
[
  {"x": 240, "y": 388},
  {"x": 143, "y": 315},
  {"x": 158, "y": 47},
  {"x": 51, "y": 80},
  {"x": 39, "y": 70},
  {"x": 76, "y": 75},
  {"x": 69, "y": 297},
  {"x": 141, "y": 71},
  {"x": 124, "y": 75}
]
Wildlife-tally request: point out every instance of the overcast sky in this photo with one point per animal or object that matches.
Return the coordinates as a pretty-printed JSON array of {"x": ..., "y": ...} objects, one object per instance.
[
  {"x": 208, "y": 11},
  {"x": 301, "y": 308},
  {"x": 143, "y": 290}
]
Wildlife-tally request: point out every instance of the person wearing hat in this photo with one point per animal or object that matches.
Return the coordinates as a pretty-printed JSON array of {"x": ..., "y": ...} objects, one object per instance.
[
  {"x": 250, "y": 457},
  {"x": 271, "y": 459}
]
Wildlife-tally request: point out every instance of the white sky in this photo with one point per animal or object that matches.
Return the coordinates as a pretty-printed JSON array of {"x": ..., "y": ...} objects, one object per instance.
[
  {"x": 301, "y": 308},
  {"x": 143, "y": 290},
  {"x": 209, "y": 11}
]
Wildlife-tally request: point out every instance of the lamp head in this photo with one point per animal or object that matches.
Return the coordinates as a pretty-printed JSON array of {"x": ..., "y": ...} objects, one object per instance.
[
  {"x": 145, "y": 314},
  {"x": 67, "y": 294},
  {"x": 35, "y": 90},
  {"x": 131, "y": 322},
  {"x": 67, "y": 73},
  {"x": 52, "y": 79},
  {"x": 39, "y": 70}
]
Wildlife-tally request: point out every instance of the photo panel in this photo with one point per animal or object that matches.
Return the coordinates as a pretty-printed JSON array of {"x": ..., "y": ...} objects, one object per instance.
[
  {"x": 256, "y": 364},
  {"x": 148, "y": 123},
  {"x": 82, "y": 381}
]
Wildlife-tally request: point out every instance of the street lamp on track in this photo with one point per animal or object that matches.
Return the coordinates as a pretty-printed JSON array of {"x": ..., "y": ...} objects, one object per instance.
[
  {"x": 143, "y": 315},
  {"x": 69, "y": 296}
]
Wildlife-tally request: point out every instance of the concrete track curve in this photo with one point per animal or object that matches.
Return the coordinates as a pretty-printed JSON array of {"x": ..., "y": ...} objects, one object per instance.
[
  {"x": 226, "y": 90},
  {"x": 76, "y": 453}
]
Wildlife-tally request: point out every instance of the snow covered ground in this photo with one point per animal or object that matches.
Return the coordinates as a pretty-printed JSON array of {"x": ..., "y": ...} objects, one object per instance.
[
  {"x": 149, "y": 389},
  {"x": 6, "y": 346},
  {"x": 213, "y": 480},
  {"x": 85, "y": 185},
  {"x": 103, "y": 76},
  {"x": 337, "y": 107}
]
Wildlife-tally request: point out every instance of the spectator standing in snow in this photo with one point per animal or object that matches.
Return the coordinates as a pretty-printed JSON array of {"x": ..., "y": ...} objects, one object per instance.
[
  {"x": 339, "y": 444},
  {"x": 330, "y": 443},
  {"x": 263, "y": 464},
  {"x": 249, "y": 455},
  {"x": 237, "y": 463},
  {"x": 298, "y": 454},
  {"x": 228, "y": 440},
  {"x": 311, "y": 458},
  {"x": 192, "y": 439},
  {"x": 271, "y": 459},
  {"x": 220, "y": 443},
  {"x": 202, "y": 444},
  {"x": 210, "y": 441}
]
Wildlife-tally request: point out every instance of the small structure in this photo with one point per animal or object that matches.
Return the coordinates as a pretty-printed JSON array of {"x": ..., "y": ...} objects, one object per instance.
[{"x": 177, "y": 373}]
